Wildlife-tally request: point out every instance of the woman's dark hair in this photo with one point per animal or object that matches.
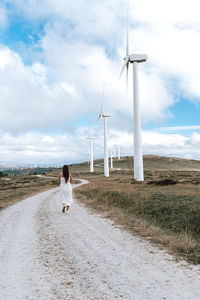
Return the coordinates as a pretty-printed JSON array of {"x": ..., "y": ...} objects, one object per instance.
[{"x": 66, "y": 172}]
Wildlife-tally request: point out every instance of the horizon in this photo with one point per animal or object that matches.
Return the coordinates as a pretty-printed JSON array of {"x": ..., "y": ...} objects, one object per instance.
[{"x": 15, "y": 166}]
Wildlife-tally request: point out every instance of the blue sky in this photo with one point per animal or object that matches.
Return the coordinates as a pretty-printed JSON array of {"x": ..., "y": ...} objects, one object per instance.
[{"x": 55, "y": 56}]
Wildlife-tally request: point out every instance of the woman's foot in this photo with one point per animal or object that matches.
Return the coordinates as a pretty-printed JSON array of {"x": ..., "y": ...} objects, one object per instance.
[{"x": 63, "y": 210}]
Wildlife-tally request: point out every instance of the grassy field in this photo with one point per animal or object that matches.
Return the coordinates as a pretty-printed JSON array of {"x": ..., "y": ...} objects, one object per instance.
[
  {"x": 165, "y": 208},
  {"x": 14, "y": 188}
]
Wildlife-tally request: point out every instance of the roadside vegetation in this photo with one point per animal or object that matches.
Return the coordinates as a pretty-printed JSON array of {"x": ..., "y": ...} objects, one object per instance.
[
  {"x": 14, "y": 188},
  {"x": 165, "y": 208}
]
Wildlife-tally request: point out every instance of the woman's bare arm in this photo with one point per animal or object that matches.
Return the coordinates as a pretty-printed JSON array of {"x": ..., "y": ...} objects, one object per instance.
[
  {"x": 58, "y": 180},
  {"x": 71, "y": 180}
]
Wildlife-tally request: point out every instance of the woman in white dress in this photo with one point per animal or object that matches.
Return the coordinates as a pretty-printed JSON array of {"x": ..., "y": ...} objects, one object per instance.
[{"x": 65, "y": 192}]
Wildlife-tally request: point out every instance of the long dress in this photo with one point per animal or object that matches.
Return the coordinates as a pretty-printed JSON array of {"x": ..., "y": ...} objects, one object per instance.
[{"x": 65, "y": 193}]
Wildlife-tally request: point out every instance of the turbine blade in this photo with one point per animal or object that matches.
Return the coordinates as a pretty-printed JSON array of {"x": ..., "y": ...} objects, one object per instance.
[
  {"x": 127, "y": 30},
  {"x": 102, "y": 99},
  {"x": 125, "y": 64},
  {"x": 99, "y": 118}
]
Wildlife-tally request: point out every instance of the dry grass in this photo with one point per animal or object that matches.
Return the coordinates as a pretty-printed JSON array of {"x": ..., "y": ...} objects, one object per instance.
[
  {"x": 22, "y": 186},
  {"x": 168, "y": 215}
]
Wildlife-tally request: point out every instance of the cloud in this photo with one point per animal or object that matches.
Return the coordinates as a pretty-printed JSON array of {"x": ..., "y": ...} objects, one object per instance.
[
  {"x": 28, "y": 102},
  {"x": 3, "y": 18},
  {"x": 83, "y": 18},
  {"x": 195, "y": 139},
  {"x": 171, "y": 37},
  {"x": 34, "y": 147},
  {"x": 80, "y": 45},
  {"x": 177, "y": 128},
  {"x": 67, "y": 84}
]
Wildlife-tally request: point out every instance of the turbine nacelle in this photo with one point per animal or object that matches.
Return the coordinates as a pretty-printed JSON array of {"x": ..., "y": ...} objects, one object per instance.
[
  {"x": 135, "y": 58},
  {"x": 139, "y": 58},
  {"x": 104, "y": 115}
]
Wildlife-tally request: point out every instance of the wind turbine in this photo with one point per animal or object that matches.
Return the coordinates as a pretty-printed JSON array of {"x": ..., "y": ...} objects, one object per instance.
[
  {"x": 91, "y": 153},
  {"x": 88, "y": 154},
  {"x": 118, "y": 148},
  {"x": 105, "y": 116},
  {"x": 114, "y": 153},
  {"x": 135, "y": 59},
  {"x": 111, "y": 159}
]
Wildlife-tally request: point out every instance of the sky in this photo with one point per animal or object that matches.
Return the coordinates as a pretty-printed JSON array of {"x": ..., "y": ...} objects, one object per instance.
[{"x": 55, "y": 57}]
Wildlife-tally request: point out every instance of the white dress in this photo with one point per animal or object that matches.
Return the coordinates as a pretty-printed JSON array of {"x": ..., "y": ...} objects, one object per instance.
[{"x": 65, "y": 192}]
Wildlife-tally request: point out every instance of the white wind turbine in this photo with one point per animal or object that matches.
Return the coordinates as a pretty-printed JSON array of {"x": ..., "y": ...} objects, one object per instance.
[
  {"x": 135, "y": 59},
  {"x": 114, "y": 153},
  {"x": 118, "y": 148},
  {"x": 88, "y": 153},
  {"x": 105, "y": 116},
  {"x": 111, "y": 159},
  {"x": 91, "y": 154}
]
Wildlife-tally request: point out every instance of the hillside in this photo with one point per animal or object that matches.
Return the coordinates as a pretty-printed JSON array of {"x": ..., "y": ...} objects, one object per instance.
[{"x": 151, "y": 163}]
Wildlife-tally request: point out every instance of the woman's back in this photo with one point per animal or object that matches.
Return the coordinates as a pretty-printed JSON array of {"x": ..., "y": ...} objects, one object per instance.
[{"x": 63, "y": 181}]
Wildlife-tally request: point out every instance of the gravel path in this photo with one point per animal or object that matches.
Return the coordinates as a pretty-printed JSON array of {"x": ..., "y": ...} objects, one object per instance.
[{"x": 45, "y": 254}]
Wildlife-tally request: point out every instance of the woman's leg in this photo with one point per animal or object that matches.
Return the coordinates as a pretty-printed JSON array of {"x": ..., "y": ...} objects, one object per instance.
[{"x": 68, "y": 208}]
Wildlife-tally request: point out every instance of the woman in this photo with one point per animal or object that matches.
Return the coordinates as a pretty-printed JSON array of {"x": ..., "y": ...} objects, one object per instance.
[{"x": 65, "y": 193}]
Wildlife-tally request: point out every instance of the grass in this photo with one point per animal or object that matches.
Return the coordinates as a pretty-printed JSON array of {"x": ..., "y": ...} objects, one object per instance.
[
  {"x": 165, "y": 208},
  {"x": 19, "y": 187}
]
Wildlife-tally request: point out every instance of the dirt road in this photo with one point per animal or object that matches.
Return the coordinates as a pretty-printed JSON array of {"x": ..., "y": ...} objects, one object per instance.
[{"x": 45, "y": 254}]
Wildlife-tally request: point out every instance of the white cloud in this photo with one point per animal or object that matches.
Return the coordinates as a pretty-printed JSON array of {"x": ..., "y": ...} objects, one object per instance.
[
  {"x": 48, "y": 139},
  {"x": 67, "y": 85},
  {"x": 177, "y": 128},
  {"x": 3, "y": 18},
  {"x": 28, "y": 101},
  {"x": 78, "y": 50},
  {"x": 31, "y": 148},
  {"x": 195, "y": 139},
  {"x": 172, "y": 41}
]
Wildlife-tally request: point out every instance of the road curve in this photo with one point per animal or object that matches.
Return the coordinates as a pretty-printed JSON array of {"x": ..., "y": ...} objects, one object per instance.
[{"x": 45, "y": 254}]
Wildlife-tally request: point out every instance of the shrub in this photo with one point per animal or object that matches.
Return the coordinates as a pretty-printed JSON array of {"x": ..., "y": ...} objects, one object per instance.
[{"x": 163, "y": 182}]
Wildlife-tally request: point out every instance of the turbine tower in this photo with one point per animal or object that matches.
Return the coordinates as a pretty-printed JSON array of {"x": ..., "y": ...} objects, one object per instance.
[
  {"x": 105, "y": 116},
  {"x": 118, "y": 148},
  {"x": 111, "y": 159},
  {"x": 135, "y": 59},
  {"x": 91, "y": 153},
  {"x": 88, "y": 154}
]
